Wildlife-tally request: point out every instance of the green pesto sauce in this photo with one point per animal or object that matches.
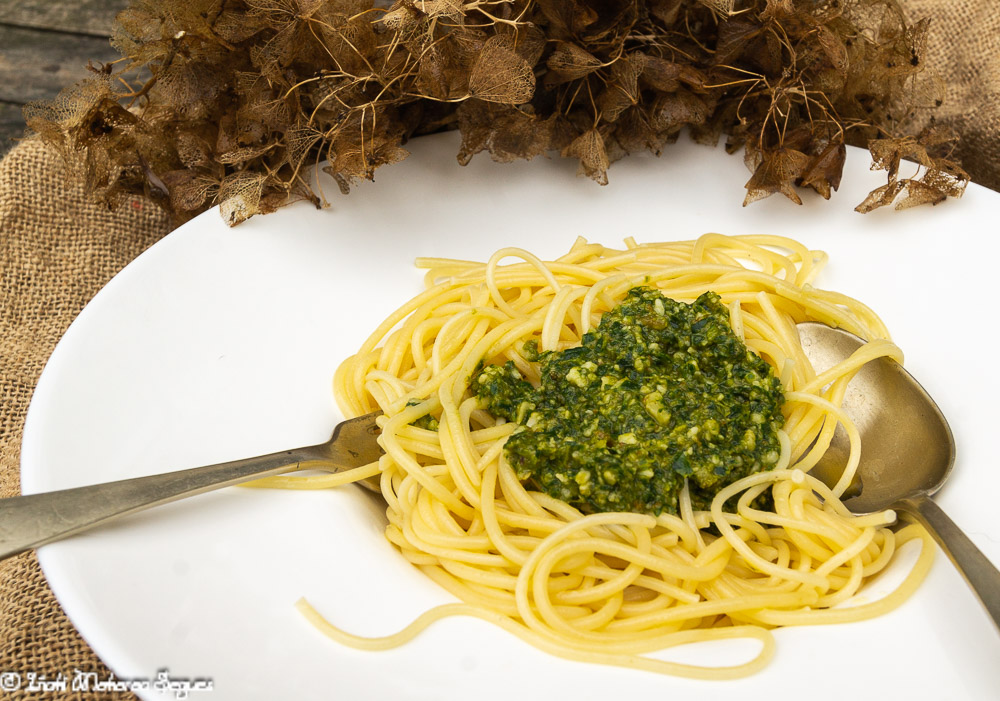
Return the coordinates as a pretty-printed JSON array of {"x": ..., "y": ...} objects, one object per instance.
[
  {"x": 427, "y": 421},
  {"x": 660, "y": 391}
]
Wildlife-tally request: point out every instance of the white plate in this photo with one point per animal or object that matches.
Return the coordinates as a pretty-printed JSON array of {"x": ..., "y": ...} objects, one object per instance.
[{"x": 221, "y": 343}]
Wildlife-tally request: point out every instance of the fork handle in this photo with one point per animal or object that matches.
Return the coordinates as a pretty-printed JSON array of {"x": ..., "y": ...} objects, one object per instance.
[
  {"x": 30, "y": 521},
  {"x": 972, "y": 564}
]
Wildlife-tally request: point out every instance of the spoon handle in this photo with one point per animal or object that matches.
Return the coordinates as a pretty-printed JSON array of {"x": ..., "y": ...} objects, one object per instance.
[
  {"x": 979, "y": 572},
  {"x": 30, "y": 521}
]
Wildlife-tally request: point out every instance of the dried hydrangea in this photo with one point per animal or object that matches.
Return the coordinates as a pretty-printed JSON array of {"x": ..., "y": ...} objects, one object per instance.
[{"x": 231, "y": 102}]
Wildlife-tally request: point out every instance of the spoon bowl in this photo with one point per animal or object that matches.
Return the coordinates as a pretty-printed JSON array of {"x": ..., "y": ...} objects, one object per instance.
[
  {"x": 907, "y": 446},
  {"x": 907, "y": 452}
]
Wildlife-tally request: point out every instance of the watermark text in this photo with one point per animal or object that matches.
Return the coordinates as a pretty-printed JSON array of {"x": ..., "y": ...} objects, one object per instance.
[{"x": 80, "y": 680}]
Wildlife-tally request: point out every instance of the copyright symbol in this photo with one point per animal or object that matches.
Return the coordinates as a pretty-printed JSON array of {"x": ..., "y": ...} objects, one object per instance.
[{"x": 10, "y": 681}]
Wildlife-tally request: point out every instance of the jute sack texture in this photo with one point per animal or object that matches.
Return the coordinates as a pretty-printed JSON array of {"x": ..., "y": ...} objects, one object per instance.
[
  {"x": 57, "y": 249},
  {"x": 963, "y": 46}
]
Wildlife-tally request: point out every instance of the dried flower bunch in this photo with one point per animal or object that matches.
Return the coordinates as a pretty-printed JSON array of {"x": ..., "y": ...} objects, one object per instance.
[{"x": 231, "y": 101}]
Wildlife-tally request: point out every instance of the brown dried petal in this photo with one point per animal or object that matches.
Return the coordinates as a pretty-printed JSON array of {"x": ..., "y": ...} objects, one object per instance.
[
  {"x": 777, "y": 172},
  {"x": 915, "y": 151},
  {"x": 194, "y": 151},
  {"x": 279, "y": 51},
  {"x": 589, "y": 148},
  {"x": 70, "y": 108},
  {"x": 189, "y": 190},
  {"x": 833, "y": 48},
  {"x": 825, "y": 169},
  {"x": 947, "y": 178},
  {"x": 720, "y": 8},
  {"x": 734, "y": 36},
  {"x": 500, "y": 75},
  {"x": 506, "y": 132},
  {"x": 612, "y": 102},
  {"x": 622, "y": 91},
  {"x": 666, "y": 76},
  {"x": 881, "y": 196},
  {"x": 660, "y": 74},
  {"x": 351, "y": 44},
  {"x": 440, "y": 8},
  {"x": 243, "y": 154},
  {"x": 468, "y": 44},
  {"x": 388, "y": 153},
  {"x": 567, "y": 18},
  {"x": 443, "y": 71},
  {"x": 886, "y": 156},
  {"x": 300, "y": 141},
  {"x": 134, "y": 26},
  {"x": 665, "y": 10},
  {"x": 239, "y": 197},
  {"x": 307, "y": 8},
  {"x": 353, "y": 159},
  {"x": 616, "y": 19},
  {"x": 936, "y": 135},
  {"x": 432, "y": 74},
  {"x": 191, "y": 87},
  {"x": 236, "y": 27},
  {"x": 674, "y": 110},
  {"x": 778, "y": 10},
  {"x": 530, "y": 44},
  {"x": 918, "y": 193},
  {"x": 569, "y": 62},
  {"x": 626, "y": 71},
  {"x": 402, "y": 17}
]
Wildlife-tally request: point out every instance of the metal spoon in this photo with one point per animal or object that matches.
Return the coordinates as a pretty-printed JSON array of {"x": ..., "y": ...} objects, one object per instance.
[
  {"x": 907, "y": 452},
  {"x": 30, "y": 521}
]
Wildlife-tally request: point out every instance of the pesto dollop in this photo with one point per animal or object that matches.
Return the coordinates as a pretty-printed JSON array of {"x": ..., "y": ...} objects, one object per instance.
[{"x": 659, "y": 392}]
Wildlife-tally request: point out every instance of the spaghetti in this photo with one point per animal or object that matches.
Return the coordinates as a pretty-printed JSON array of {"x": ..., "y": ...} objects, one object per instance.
[{"x": 611, "y": 587}]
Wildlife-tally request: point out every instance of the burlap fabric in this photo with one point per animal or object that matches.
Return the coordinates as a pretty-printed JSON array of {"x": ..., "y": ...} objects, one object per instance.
[
  {"x": 964, "y": 47},
  {"x": 57, "y": 249}
]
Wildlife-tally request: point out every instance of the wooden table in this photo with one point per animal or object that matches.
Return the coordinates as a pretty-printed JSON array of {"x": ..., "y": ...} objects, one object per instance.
[{"x": 45, "y": 46}]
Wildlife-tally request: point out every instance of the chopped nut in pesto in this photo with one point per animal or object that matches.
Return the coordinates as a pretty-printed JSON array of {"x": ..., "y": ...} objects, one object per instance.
[{"x": 660, "y": 391}]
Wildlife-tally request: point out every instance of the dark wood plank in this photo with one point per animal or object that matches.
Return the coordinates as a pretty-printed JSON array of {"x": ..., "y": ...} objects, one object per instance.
[
  {"x": 36, "y": 65},
  {"x": 78, "y": 16},
  {"x": 11, "y": 125}
]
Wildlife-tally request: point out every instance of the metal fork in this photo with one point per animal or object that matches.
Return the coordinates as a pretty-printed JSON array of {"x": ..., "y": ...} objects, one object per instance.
[{"x": 30, "y": 521}]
